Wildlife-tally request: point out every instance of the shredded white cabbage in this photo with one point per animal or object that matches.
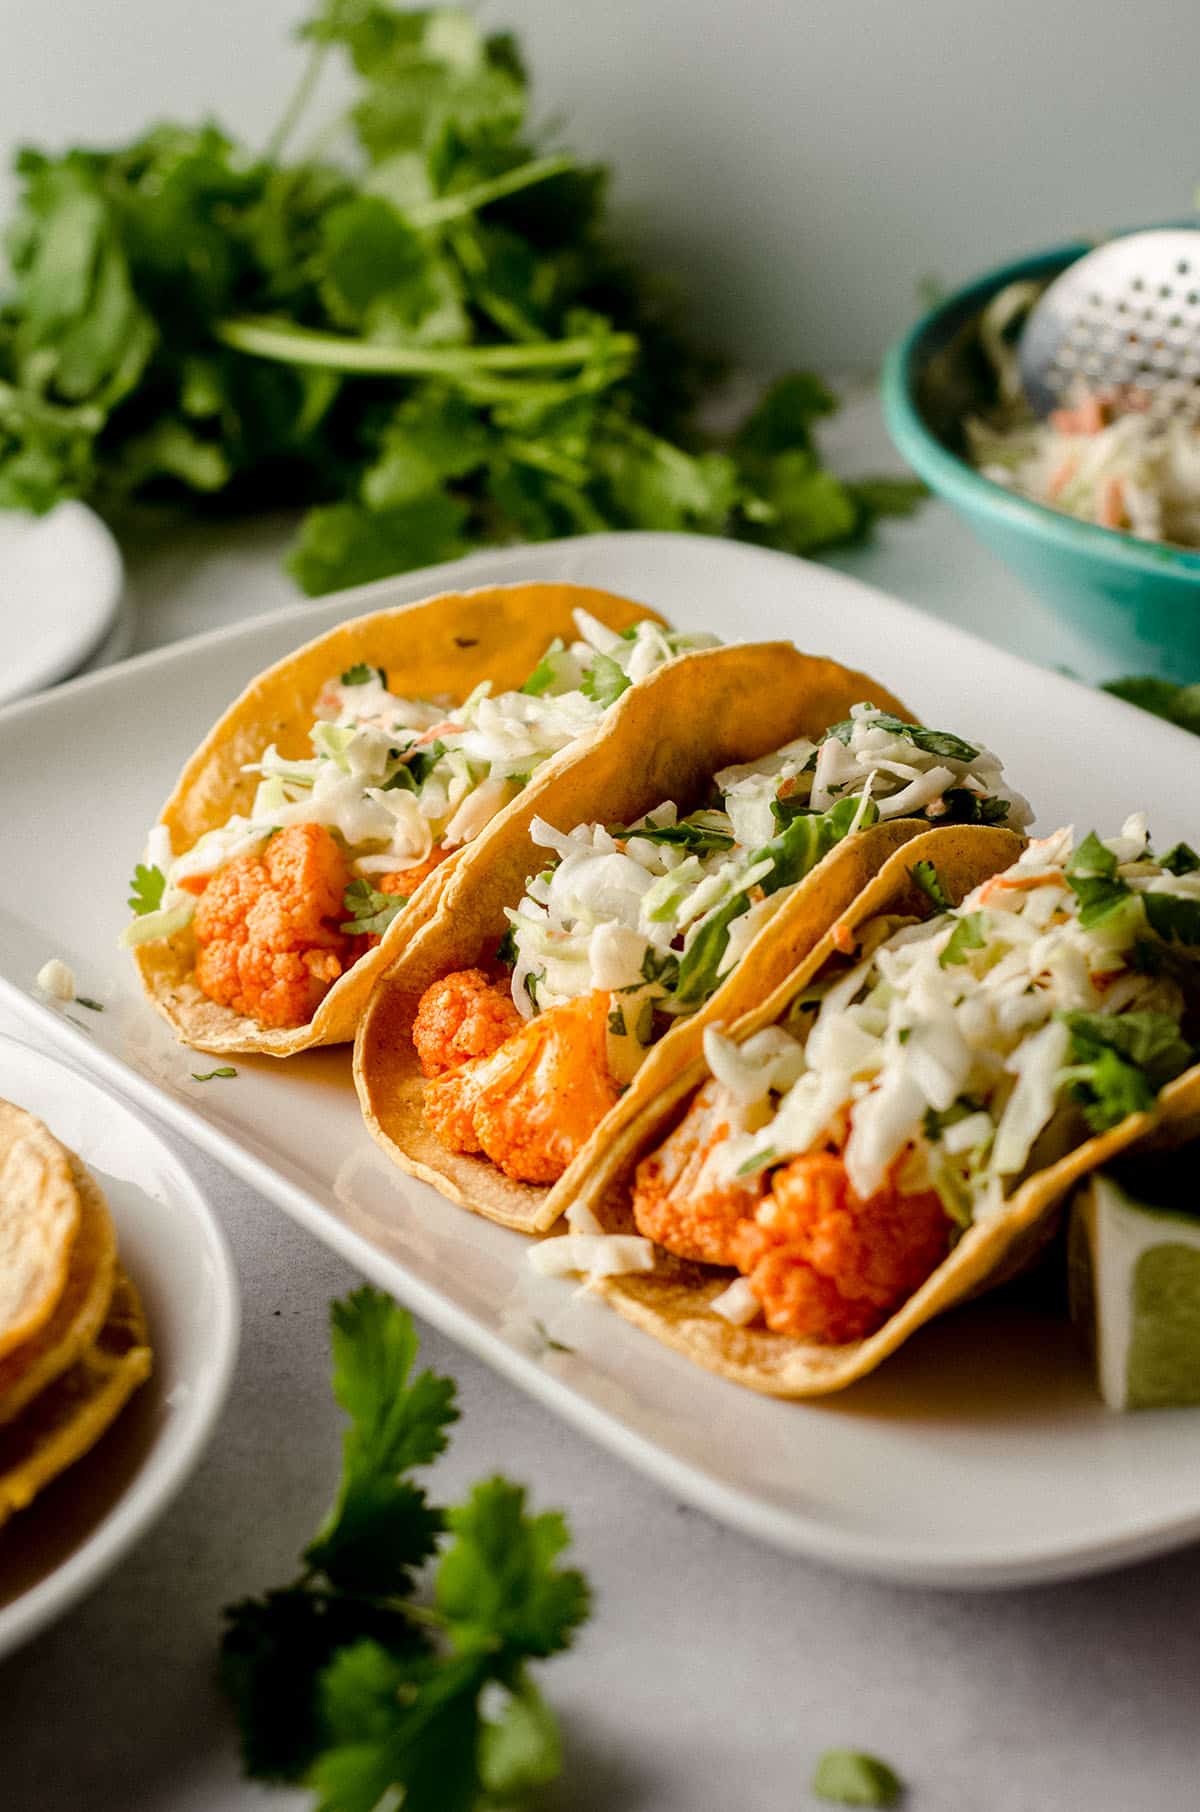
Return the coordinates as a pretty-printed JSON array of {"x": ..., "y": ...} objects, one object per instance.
[
  {"x": 621, "y": 909},
  {"x": 738, "y": 1304},
  {"x": 396, "y": 778},
  {"x": 591, "y": 1255},
  {"x": 946, "y": 1049}
]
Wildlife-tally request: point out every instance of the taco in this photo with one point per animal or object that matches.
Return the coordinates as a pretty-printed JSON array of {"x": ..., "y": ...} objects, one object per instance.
[
  {"x": 893, "y": 1128},
  {"x": 315, "y": 828},
  {"x": 645, "y": 899}
]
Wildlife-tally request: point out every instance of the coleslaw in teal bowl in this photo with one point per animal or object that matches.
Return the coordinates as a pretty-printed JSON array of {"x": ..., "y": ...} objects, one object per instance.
[{"x": 1137, "y": 599}]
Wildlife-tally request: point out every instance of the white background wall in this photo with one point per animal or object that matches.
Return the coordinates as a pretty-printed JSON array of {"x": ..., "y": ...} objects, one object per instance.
[{"x": 800, "y": 165}]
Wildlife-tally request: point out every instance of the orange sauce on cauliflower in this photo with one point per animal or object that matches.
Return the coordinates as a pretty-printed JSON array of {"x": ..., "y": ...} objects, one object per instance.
[
  {"x": 828, "y": 1266},
  {"x": 532, "y": 1104},
  {"x": 464, "y": 1015},
  {"x": 407, "y": 880},
  {"x": 681, "y": 1199},
  {"x": 267, "y": 928}
]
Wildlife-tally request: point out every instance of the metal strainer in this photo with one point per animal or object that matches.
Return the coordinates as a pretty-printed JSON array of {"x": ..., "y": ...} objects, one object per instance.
[{"x": 1126, "y": 314}]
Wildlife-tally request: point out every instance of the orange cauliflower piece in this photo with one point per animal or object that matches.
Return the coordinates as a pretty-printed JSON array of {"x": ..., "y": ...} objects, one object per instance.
[
  {"x": 531, "y": 1105},
  {"x": 681, "y": 1199},
  {"x": 464, "y": 1015},
  {"x": 407, "y": 880},
  {"x": 266, "y": 945},
  {"x": 828, "y": 1266}
]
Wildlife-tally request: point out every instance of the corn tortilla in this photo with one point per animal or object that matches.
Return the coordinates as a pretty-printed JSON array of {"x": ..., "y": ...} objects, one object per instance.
[
  {"x": 443, "y": 646},
  {"x": 664, "y": 740},
  {"x": 78, "y": 1315},
  {"x": 673, "y": 1303},
  {"x": 39, "y": 1220},
  {"x": 68, "y": 1419}
]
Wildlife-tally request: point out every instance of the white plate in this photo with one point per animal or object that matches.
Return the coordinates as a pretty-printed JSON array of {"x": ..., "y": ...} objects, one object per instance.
[
  {"x": 980, "y": 1455},
  {"x": 79, "y": 1528},
  {"x": 61, "y": 585}
]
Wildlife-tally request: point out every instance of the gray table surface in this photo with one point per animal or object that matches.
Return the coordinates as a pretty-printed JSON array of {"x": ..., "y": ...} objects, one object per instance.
[{"x": 713, "y": 1671}]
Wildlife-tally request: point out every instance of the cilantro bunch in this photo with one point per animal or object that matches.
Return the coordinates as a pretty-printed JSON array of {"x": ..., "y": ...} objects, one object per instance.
[
  {"x": 418, "y": 325},
  {"x": 355, "y": 1680}
]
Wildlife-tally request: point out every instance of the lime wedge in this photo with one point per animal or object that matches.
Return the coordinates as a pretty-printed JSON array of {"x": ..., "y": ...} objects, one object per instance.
[{"x": 1134, "y": 1273}]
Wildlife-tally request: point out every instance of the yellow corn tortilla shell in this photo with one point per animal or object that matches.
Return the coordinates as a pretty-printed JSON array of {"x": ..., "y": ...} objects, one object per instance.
[
  {"x": 78, "y": 1315},
  {"x": 39, "y": 1219},
  {"x": 68, "y": 1419},
  {"x": 664, "y": 740},
  {"x": 442, "y": 647},
  {"x": 672, "y": 1303}
]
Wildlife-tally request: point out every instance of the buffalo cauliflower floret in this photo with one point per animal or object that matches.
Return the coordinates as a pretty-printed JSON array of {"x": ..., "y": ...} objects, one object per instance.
[
  {"x": 406, "y": 880},
  {"x": 828, "y": 1266},
  {"x": 464, "y": 1015},
  {"x": 681, "y": 1197},
  {"x": 267, "y": 946},
  {"x": 532, "y": 1105}
]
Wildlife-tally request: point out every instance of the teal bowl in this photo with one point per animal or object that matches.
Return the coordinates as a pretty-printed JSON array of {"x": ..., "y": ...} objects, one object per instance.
[{"x": 1137, "y": 601}]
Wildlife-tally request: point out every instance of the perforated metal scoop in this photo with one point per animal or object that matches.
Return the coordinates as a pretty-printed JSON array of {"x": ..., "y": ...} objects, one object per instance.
[{"x": 1127, "y": 314}]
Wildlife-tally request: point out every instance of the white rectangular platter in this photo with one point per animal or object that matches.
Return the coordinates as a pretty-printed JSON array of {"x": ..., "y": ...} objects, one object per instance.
[{"x": 978, "y": 1456}]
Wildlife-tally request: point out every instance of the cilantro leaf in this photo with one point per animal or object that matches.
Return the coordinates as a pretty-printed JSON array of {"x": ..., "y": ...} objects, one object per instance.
[
  {"x": 346, "y": 544},
  {"x": 965, "y": 807},
  {"x": 546, "y": 671},
  {"x": 1180, "y": 859},
  {"x": 361, "y": 675},
  {"x": 506, "y": 949},
  {"x": 272, "y": 1651},
  {"x": 381, "y": 1526},
  {"x": 389, "y": 1725},
  {"x": 369, "y": 910},
  {"x": 700, "y": 838},
  {"x": 146, "y": 889},
  {"x": 932, "y": 742},
  {"x": 520, "y": 1750},
  {"x": 1120, "y": 1061},
  {"x": 1175, "y": 917},
  {"x": 1178, "y": 704},
  {"x": 1093, "y": 879},
  {"x": 927, "y": 878},
  {"x": 498, "y": 1585},
  {"x": 966, "y": 936},
  {"x": 604, "y": 680},
  {"x": 848, "y": 1777},
  {"x": 1092, "y": 858},
  {"x": 794, "y": 853}
]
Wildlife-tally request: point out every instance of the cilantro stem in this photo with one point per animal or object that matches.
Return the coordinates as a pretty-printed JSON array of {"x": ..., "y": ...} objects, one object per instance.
[
  {"x": 297, "y": 105},
  {"x": 288, "y": 345},
  {"x": 469, "y": 201}
]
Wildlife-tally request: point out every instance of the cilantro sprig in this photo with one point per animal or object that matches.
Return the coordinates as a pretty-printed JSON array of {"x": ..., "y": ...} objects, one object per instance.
[
  {"x": 146, "y": 889},
  {"x": 369, "y": 910},
  {"x": 1093, "y": 879},
  {"x": 927, "y": 878},
  {"x": 430, "y": 333},
  {"x": 368, "y": 1679},
  {"x": 1120, "y": 1061}
]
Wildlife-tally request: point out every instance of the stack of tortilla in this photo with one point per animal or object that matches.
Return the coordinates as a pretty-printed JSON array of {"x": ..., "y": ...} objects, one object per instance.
[{"x": 73, "y": 1342}]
